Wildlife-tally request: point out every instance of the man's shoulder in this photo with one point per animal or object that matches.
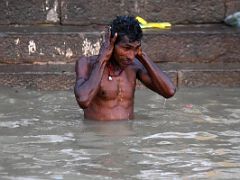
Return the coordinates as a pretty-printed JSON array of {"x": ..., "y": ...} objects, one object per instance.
[
  {"x": 87, "y": 59},
  {"x": 84, "y": 64}
]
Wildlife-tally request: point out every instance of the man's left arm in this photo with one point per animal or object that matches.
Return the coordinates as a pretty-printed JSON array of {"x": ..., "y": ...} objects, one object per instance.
[{"x": 152, "y": 76}]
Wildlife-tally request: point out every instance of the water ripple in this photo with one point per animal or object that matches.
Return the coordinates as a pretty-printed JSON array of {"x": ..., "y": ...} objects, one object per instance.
[
  {"x": 179, "y": 135},
  {"x": 230, "y": 133},
  {"x": 16, "y": 124}
]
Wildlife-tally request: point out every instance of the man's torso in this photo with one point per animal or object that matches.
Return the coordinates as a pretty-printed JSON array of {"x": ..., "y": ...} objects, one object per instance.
[{"x": 115, "y": 97}]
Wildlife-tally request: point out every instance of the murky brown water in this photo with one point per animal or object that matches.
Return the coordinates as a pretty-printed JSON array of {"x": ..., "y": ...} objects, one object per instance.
[{"x": 195, "y": 135}]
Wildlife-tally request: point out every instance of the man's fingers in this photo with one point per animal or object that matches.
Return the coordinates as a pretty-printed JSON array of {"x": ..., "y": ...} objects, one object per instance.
[
  {"x": 109, "y": 32},
  {"x": 140, "y": 52},
  {"x": 113, "y": 40}
]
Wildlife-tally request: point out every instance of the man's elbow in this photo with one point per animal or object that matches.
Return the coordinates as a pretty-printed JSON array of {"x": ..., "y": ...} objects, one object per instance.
[
  {"x": 83, "y": 103},
  {"x": 170, "y": 93}
]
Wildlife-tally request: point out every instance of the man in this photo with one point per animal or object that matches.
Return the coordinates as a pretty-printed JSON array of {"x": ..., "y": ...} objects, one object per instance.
[{"x": 105, "y": 84}]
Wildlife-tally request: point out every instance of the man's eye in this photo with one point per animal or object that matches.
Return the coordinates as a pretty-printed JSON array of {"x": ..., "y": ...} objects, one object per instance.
[{"x": 127, "y": 48}]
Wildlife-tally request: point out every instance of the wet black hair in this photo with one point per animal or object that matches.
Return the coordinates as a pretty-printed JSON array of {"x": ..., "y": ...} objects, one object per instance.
[{"x": 126, "y": 26}]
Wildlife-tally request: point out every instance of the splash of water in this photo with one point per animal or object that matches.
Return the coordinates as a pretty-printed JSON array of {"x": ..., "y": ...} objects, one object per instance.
[{"x": 164, "y": 103}]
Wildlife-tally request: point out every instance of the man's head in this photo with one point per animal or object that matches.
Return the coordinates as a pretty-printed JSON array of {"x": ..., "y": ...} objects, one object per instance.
[
  {"x": 128, "y": 40},
  {"x": 126, "y": 26}
]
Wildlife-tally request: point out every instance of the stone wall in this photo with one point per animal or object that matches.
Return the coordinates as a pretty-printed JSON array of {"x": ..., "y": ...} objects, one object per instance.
[
  {"x": 89, "y": 12},
  {"x": 41, "y": 39}
]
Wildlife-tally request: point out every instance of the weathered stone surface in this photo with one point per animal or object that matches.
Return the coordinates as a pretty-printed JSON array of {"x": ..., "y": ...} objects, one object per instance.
[
  {"x": 195, "y": 44},
  {"x": 66, "y": 80},
  {"x": 48, "y": 81},
  {"x": 47, "y": 77},
  {"x": 3, "y": 13},
  {"x": 57, "y": 46},
  {"x": 173, "y": 75},
  {"x": 85, "y": 12},
  {"x": 29, "y": 11},
  {"x": 41, "y": 81},
  {"x": 232, "y": 6},
  {"x": 29, "y": 68},
  {"x": 208, "y": 78},
  {"x": 207, "y": 44},
  {"x": 198, "y": 66}
]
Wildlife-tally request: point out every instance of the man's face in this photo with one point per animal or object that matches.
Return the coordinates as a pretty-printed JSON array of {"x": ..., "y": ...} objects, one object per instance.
[{"x": 125, "y": 51}]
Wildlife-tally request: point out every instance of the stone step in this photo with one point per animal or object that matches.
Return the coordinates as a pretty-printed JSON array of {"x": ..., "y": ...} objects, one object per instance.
[
  {"x": 70, "y": 67},
  {"x": 64, "y": 44},
  {"x": 174, "y": 11},
  {"x": 46, "y": 77},
  {"x": 88, "y": 12},
  {"x": 62, "y": 77},
  {"x": 209, "y": 78}
]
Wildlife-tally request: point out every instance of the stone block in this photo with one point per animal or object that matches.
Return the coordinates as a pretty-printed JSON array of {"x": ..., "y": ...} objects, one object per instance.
[
  {"x": 196, "y": 44},
  {"x": 209, "y": 78},
  {"x": 232, "y": 6},
  {"x": 38, "y": 69},
  {"x": 47, "y": 77},
  {"x": 173, "y": 75},
  {"x": 38, "y": 81},
  {"x": 86, "y": 12},
  {"x": 27, "y": 45},
  {"x": 29, "y": 11},
  {"x": 3, "y": 13}
]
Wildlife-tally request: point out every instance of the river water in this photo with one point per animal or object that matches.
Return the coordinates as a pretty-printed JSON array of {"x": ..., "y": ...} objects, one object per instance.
[{"x": 194, "y": 135}]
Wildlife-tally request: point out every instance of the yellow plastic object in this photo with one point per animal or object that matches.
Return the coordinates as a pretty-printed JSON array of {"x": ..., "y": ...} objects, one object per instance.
[
  {"x": 164, "y": 25},
  {"x": 141, "y": 20},
  {"x": 144, "y": 24}
]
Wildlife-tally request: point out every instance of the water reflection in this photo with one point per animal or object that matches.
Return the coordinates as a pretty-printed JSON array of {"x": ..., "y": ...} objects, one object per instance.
[
  {"x": 194, "y": 135},
  {"x": 114, "y": 128}
]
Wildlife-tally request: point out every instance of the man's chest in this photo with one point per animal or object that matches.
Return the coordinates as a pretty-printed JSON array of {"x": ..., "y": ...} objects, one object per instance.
[{"x": 120, "y": 87}]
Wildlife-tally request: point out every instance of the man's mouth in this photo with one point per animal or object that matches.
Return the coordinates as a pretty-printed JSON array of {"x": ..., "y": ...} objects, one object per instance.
[{"x": 126, "y": 62}]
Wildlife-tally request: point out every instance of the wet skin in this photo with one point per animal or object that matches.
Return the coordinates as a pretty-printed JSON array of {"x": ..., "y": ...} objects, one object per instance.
[{"x": 112, "y": 98}]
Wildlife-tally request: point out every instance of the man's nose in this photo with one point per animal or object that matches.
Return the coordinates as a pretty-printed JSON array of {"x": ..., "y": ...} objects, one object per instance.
[{"x": 131, "y": 55}]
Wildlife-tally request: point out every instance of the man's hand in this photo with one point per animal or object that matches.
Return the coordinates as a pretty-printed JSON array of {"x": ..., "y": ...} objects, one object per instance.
[
  {"x": 140, "y": 54},
  {"x": 108, "y": 45}
]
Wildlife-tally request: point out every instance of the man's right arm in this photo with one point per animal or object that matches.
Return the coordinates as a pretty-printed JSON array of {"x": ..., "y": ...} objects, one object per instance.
[
  {"x": 88, "y": 78},
  {"x": 88, "y": 75}
]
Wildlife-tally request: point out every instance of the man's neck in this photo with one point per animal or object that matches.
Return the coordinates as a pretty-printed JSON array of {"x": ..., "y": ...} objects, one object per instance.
[{"x": 115, "y": 66}]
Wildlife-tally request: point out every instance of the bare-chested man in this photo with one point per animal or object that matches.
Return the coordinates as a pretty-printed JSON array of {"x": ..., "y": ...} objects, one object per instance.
[{"x": 105, "y": 84}]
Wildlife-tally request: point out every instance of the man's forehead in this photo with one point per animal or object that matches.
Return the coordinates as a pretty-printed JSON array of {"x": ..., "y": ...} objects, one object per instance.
[{"x": 125, "y": 40}]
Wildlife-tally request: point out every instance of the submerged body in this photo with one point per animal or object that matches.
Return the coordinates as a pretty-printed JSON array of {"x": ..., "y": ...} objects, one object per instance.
[{"x": 105, "y": 84}]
